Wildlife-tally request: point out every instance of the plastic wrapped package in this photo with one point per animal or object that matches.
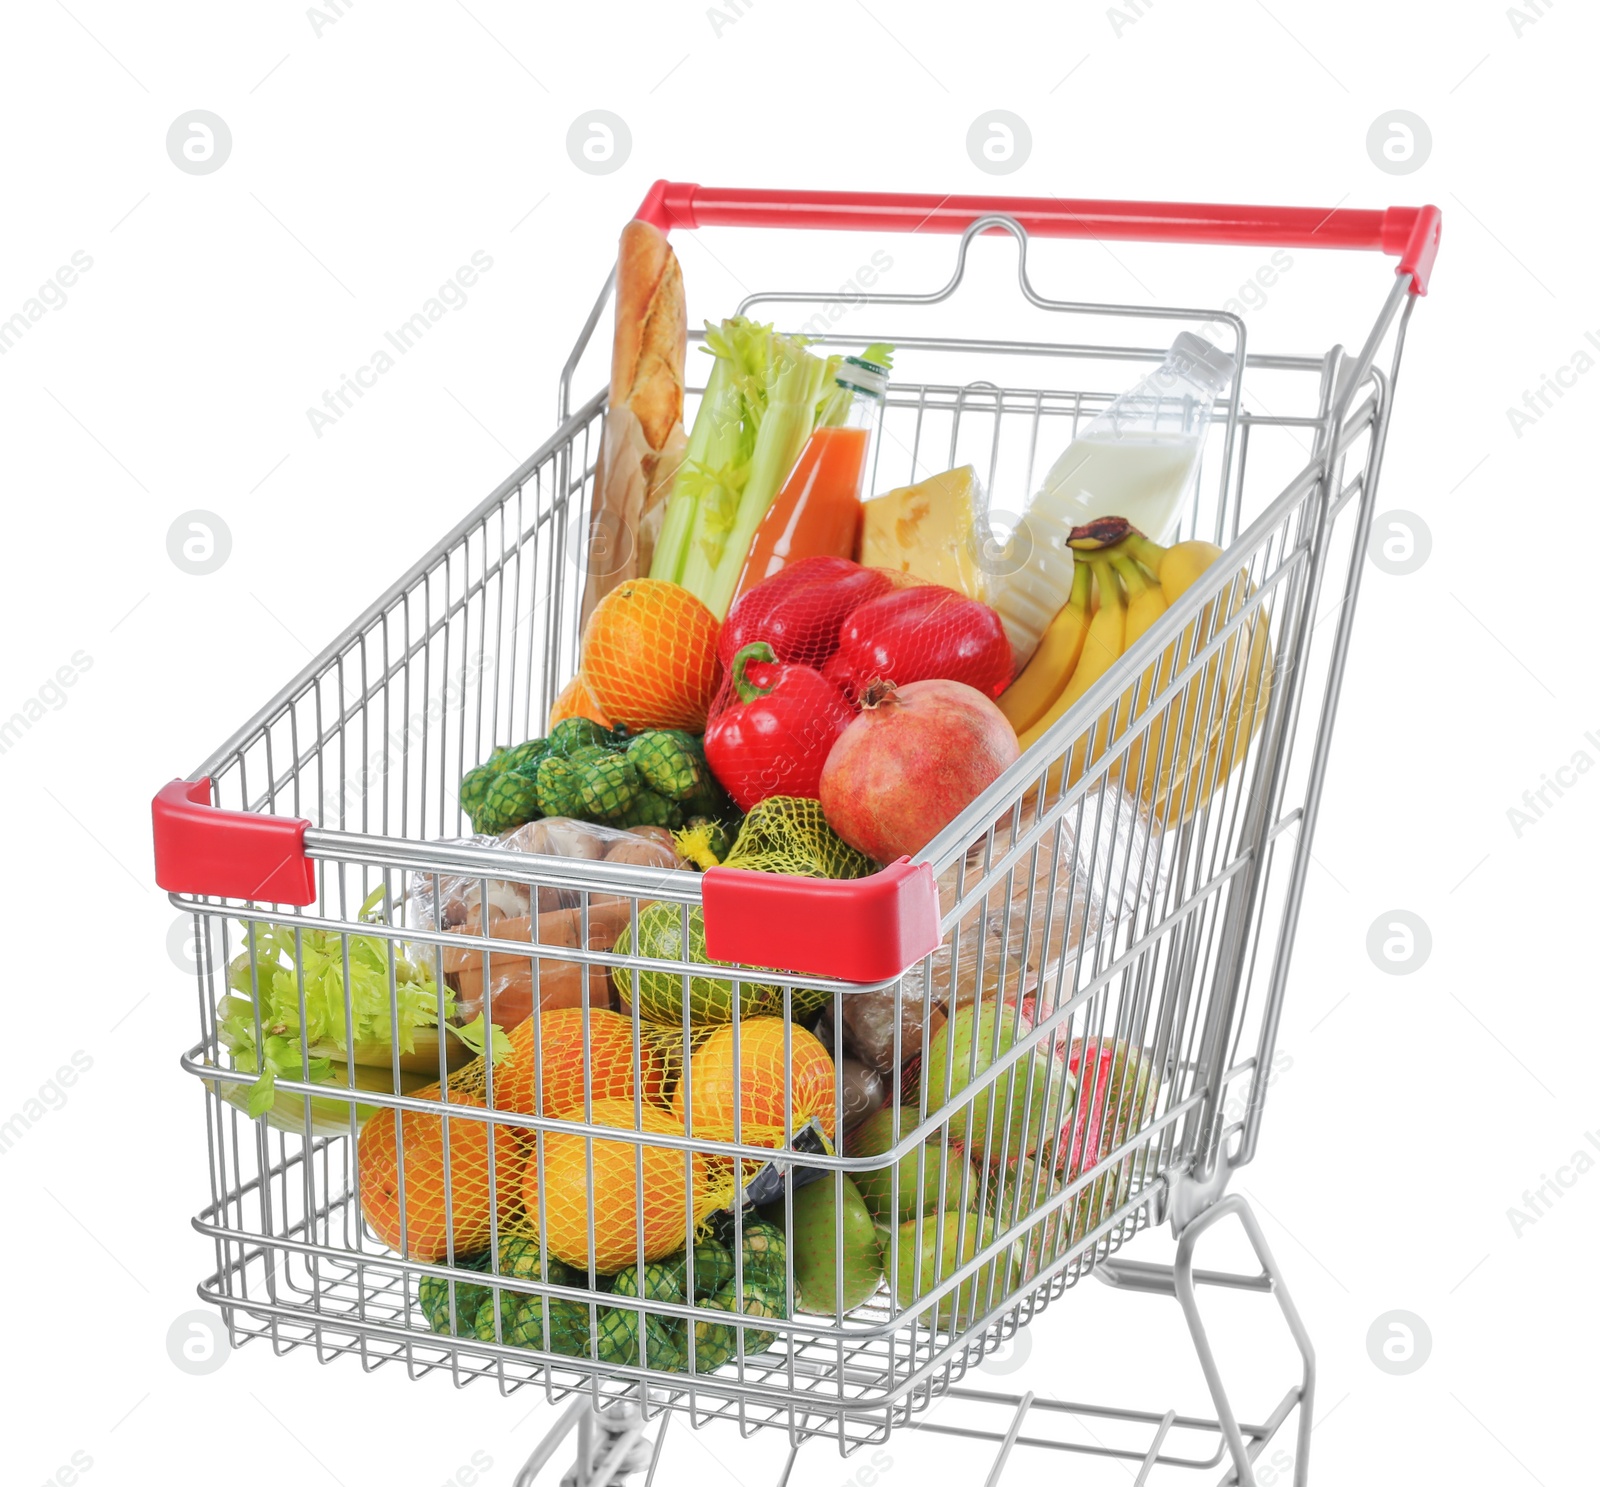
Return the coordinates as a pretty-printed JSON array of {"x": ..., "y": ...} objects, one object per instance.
[
  {"x": 1030, "y": 926},
  {"x": 545, "y": 917}
]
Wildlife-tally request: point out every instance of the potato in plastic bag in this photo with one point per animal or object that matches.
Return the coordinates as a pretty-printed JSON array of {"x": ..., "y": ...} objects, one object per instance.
[
  {"x": 565, "y": 918},
  {"x": 1029, "y": 927}
]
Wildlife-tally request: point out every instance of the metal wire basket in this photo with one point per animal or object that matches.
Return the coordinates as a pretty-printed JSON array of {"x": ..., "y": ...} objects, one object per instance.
[{"x": 1148, "y": 932}]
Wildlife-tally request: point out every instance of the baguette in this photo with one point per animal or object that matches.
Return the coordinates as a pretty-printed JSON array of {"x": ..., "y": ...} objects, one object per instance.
[{"x": 644, "y": 437}]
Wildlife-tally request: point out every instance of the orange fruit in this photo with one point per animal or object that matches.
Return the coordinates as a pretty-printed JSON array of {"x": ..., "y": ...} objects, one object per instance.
[
  {"x": 436, "y": 1211},
  {"x": 557, "y": 1060},
  {"x": 759, "y": 1098},
  {"x": 650, "y": 656},
  {"x": 574, "y": 701},
  {"x": 628, "y": 1192}
]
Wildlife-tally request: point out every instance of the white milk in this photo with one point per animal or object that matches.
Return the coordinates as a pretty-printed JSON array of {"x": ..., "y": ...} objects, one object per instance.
[{"x": 1142, "y": 480}]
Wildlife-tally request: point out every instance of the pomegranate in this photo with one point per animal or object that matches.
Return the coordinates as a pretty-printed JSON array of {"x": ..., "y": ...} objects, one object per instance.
[{"x": 911, "y": 762}]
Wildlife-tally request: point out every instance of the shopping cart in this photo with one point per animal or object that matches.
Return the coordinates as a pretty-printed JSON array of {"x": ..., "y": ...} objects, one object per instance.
[{"x": 1146, "y": 931}]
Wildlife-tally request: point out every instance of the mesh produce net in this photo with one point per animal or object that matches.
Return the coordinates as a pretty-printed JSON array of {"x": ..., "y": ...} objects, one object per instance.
[
  {"x": 787, "y": 834},
  {"x": 856, "y": 624},
  {"x": 649, "y": 656}
]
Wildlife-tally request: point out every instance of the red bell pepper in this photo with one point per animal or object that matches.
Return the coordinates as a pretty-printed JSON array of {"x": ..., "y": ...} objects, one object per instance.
[
  {"x": 775, "y": 736},
  {"x": 799, "y": 609},
  {"x": 917, "y": 634}
]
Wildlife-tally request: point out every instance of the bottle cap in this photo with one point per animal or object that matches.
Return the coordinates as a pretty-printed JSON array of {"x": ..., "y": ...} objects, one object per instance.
[
  {"x": 860, "y": 375},
  {"x": 1202, "y": 363}
]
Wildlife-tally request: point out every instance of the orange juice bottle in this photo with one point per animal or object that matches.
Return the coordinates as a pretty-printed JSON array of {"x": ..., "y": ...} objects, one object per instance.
[{"x": 818, "y": 511}]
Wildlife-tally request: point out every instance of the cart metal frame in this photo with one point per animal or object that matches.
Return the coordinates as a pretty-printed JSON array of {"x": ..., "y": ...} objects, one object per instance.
[{"x": 1170, "y": 938}]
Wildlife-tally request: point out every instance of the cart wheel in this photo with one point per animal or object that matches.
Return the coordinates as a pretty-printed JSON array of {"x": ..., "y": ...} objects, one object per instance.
[{"x": 611, "y": 1446}]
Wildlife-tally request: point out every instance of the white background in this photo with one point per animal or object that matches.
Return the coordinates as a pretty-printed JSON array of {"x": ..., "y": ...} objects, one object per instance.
[{"x": 368, "y": 162}]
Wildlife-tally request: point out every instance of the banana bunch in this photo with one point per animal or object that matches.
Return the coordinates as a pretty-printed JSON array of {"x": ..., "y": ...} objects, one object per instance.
[{"x": 1122, "y": 584}]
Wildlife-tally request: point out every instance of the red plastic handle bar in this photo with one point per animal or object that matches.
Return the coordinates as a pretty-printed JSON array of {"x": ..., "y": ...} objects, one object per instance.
[
  {"x": 204, "y": 850},
  {"x": 868, "y": 929},
  {"x": 1409, "y": 233}
]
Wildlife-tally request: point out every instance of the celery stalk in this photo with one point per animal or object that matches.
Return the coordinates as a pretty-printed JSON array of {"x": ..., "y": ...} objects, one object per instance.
[
  {"x": 726, "y": 532},
  {"x": 715, "y": 442}
]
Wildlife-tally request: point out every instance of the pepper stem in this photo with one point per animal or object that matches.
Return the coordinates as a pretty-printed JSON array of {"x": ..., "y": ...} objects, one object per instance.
[{"x": 757, "y": 650}]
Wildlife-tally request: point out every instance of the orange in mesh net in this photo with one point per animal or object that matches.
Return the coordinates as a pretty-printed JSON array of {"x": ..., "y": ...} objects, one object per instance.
[
  {"x": 759, "y": 1098},
  {"x": 436, "y": 1210},
  {"x": 634, "y": 1190},
  {"x": 650, "y": 656},
  {"x": 544, "y": 1076},
  {"x": 574, "y": 701}
]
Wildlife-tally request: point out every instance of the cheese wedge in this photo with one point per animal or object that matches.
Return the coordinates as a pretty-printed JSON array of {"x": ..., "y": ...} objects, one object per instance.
[{"x": 930, "y": 531}]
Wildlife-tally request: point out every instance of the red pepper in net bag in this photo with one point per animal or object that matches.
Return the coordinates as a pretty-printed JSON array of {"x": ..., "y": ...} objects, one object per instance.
[
  {"x": 922, "y": 634},
  {"x": 798, "y": 610},
  {"x": 775, "y": 733}
]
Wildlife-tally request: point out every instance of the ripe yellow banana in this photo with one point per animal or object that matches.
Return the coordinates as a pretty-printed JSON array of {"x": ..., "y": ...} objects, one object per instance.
[
  {"x": 1102, "y": 645},
  {"x": 1147, "y": 602},
  {"x": 1050, "y": 668},
  {"x": 1187, "y": 752}
]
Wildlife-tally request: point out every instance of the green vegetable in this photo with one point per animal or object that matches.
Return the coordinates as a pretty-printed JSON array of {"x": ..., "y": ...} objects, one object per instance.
[
  {"x": 509, "y": 800},
  {"x": 765, "y": 394},
  {"x": 660, "y": 993},
  {"x": 572, "y": 734},
  {"x": 273, "y": 985},
  {"x": 557, "y": 786},
  {"x": 649, "y": 809},
  {"x": 716, "y": 1344},
  {"x": 713, "y": 1268},
  {"x": 655, "y": 778},
  {"x": 523, "y": 759},
  {"x": 717, "y": 442},
  {"x": 434, "y": 1296},
  {"x": 520, "y": 1259},
  {"x": 657, "y": 1281},
  {"x": 607, "y": 786},
  {"x": 616, "y": 1338},
  {"x": 667, "y": 762},
  {"x": 764, "y": 1251},
  {"x": 522, "y": 1322}
]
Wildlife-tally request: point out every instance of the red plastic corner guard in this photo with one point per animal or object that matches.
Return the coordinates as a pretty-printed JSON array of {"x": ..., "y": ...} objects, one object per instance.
[
  {"x": 866, "y": 929},
  {"x": 203, "y": 850}
]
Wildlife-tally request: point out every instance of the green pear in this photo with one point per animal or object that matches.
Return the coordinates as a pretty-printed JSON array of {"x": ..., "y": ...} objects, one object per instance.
[
  {"x": 932, "y": 1249},
  {"x": 961, "y": 1052},
  {"x": 820, "y": 1213},
  {"x": 917, "y": 1194}
]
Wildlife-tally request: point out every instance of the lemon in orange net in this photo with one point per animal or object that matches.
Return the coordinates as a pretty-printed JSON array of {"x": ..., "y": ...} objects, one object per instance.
[
  {"x": 650, "y": 656},
  {"x": 544, "y": 1074},
  {"x": 437, "y": 1210},
  {"x": 759, "y": 1097},
  {"x": 634, "y": 1190},
  {"x": 574, "y": 701}
]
